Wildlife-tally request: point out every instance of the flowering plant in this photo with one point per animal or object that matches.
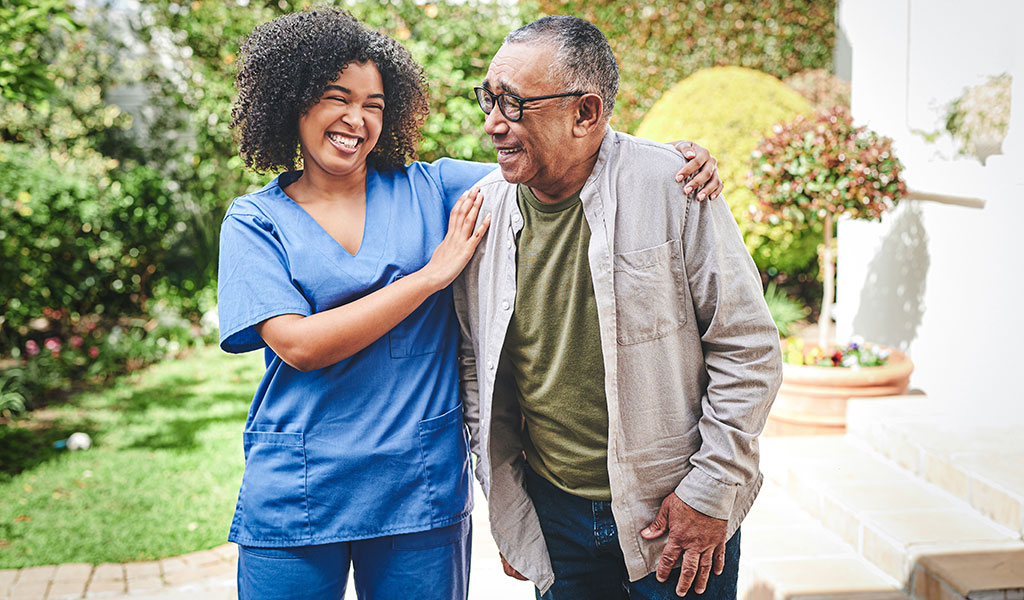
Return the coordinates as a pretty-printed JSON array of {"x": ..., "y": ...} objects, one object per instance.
[
  {"x": 854, "y": 354},
  {"x": 817, "y": 170}
]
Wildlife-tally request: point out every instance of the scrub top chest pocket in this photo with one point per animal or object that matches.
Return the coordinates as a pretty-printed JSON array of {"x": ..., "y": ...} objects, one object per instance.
[
  {"x": 650, "y": 291},
  {"x": 422, "y": 332}
]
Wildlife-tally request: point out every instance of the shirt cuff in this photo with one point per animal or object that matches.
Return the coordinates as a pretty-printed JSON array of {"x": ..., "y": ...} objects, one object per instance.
[{"x": 707, "y": 495}]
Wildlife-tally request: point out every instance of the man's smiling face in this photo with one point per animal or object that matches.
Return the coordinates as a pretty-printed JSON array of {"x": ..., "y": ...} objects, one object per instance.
[{"x": 531, "y": 151}]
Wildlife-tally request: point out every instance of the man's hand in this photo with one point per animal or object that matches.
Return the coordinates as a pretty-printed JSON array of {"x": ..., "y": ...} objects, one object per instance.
[
  {"x": 510, "y": 571},
  {"x": 700, "y": 538},
  {"x": 706, "y": 180}
]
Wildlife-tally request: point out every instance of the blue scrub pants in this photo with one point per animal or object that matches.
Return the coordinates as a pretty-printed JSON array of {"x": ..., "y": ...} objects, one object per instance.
[
  {"x": 583, "y": 543},
  {"x": 427, "y": 565}
]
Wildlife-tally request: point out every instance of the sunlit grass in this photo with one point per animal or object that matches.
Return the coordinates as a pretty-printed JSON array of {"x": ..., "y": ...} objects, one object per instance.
[{"x": 161, "y": 478}]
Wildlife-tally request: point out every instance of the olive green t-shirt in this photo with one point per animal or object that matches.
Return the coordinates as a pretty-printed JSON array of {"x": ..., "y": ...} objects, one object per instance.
[{"x": 553, "y": 348}]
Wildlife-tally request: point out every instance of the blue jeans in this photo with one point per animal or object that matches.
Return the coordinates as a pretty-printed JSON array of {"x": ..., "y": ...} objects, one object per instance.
[
  {"x": 427, "y": 565},
  {"x": 583, "y": 543}
]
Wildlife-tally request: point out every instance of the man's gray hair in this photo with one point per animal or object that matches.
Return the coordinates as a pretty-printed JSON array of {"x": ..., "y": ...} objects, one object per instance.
[{"x": 584, "y": 62}]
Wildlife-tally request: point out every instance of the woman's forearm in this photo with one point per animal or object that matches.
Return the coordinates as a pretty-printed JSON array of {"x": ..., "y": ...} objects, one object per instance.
[{"x": 324, "y": 338}]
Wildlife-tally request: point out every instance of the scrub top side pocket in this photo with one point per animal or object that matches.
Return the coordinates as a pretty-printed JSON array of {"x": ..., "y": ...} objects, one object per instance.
[
  {"x": 273, "y": 495},
  {"x": 444, "y": 449}
]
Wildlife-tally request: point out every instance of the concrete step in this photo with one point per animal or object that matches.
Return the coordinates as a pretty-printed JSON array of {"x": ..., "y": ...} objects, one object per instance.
[
  {"x": 886, "y": 514},
  {"x": 970, "y": 576},
  {"x": 969, "y": 456},
  {"x": 788, "y": 555}
]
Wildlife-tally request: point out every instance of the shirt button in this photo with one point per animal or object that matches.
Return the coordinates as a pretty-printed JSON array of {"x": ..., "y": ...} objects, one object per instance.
[
  {"x": 490, "y": 365},
  {"x": 505, "y": 305},
  {"x": 509, "y": 243}
]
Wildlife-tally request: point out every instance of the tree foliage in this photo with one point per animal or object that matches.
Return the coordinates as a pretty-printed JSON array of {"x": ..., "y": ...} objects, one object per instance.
[
  {"x": 24, "y": 66},
  {"x": 660, "y": 42}
]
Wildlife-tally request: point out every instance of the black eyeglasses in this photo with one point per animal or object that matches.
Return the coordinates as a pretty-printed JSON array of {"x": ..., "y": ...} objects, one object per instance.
[{"x": 510, "y": 106}]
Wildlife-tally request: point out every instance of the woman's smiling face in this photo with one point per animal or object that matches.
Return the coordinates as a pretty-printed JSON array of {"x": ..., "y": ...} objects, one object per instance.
[{"x": 338, "y": 132}]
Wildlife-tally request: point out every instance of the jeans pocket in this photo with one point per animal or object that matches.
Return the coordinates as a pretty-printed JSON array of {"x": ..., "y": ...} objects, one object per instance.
[
  {"x": 273, "y": 494},
  {"x": 649, "y": 293},
  {"x": 444, "y": 449}
]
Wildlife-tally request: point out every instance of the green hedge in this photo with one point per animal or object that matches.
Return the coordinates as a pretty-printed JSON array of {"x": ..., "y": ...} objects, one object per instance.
[{"x": 660, "y": 42}]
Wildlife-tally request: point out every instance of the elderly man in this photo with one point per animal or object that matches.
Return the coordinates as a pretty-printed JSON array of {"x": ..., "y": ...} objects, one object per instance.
[{"x": 618, "y": 357}]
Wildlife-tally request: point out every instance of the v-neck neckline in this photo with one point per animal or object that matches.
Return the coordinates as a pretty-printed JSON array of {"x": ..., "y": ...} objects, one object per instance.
[{"x": 370, "y": 214}]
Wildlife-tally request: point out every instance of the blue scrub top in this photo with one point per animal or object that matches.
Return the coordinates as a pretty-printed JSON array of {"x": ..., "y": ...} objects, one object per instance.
[{"x": 373, "y": 445}]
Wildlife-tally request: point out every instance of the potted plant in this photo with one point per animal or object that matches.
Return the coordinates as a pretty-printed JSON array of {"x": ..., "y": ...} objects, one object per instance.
[{"x": 817, "y": 170}]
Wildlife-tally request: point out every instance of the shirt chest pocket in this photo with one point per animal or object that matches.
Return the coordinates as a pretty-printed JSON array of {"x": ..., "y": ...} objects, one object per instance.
[{"x": 650, "y": 293}]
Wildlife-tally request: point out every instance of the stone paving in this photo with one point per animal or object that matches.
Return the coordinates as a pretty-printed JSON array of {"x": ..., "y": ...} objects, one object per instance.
[{"x": 210, "y": 575}]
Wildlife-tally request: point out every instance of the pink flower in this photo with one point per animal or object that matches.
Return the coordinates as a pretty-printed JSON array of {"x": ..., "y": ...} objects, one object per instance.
[
  {"x": 52, "y": 344},
  {"x": 94, "y": 352},
  {"x": 76, "y": 341},
  {"x": 32, "y": 347}
]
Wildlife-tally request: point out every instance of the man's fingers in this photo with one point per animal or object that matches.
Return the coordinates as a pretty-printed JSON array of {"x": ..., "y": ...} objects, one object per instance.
[
  {"x": 669, "y": 556},
  {"x": 691, "y": 562},
  {"x": 703, "y": 572},
  {"x": 511, "y": 572},
  {"x": 657, "y": 527},
  {"x": 719, "y": 559}
]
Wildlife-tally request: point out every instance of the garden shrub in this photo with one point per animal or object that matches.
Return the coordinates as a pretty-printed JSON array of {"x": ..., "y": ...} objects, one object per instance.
[
  {"x": 659, "y": 42},
  {"x": 728, "y": 110},
  {"x": 821, "y": 88}
]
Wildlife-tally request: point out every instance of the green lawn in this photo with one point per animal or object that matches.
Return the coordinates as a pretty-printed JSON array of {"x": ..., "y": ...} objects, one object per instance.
[{"x": 161, "y": 478}]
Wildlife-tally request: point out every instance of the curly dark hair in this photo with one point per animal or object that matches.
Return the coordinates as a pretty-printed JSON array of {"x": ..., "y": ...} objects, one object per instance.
[{"x": 286, "y": 65}]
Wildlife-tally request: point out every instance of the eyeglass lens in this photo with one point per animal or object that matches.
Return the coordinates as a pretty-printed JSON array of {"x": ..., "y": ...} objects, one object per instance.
[{"x": 508, "y": 105}]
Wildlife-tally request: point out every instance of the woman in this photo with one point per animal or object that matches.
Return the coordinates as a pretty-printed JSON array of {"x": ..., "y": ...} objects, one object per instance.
[{"x": 354, "y": 444}]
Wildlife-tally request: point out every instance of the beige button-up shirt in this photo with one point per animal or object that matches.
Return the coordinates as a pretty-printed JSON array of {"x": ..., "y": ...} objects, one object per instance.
[{"x": 691, "y": 355}]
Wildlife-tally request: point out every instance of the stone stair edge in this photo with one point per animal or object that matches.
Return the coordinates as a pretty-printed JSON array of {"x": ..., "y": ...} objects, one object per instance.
[
  {"x": 882, "y": 425},
  {"x": 858, "y": 527},
  {"x": 787, "y": 553}
]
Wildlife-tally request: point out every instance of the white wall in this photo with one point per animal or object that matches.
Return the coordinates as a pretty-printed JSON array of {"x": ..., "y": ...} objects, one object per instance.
[{"x": 942, "y": 281}]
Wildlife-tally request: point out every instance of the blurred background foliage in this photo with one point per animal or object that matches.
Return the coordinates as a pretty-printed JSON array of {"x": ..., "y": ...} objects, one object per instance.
[
  {"x": 660, "y": 42},
  {"x": 117, "y": 163},
  {"x": 746, "y": 105}
]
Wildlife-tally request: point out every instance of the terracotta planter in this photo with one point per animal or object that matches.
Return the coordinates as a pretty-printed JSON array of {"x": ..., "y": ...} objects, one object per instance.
[{"x": 812, "y": 400}]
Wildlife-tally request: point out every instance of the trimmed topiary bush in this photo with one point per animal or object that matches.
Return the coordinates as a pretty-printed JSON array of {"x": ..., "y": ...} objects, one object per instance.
[
  {"x": 817, "y": 170},
  {"x": 728, "y": 110}
]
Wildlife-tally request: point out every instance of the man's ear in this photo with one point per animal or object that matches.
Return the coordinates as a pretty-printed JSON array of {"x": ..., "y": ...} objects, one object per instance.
[{"x": 588, "y": 115}]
